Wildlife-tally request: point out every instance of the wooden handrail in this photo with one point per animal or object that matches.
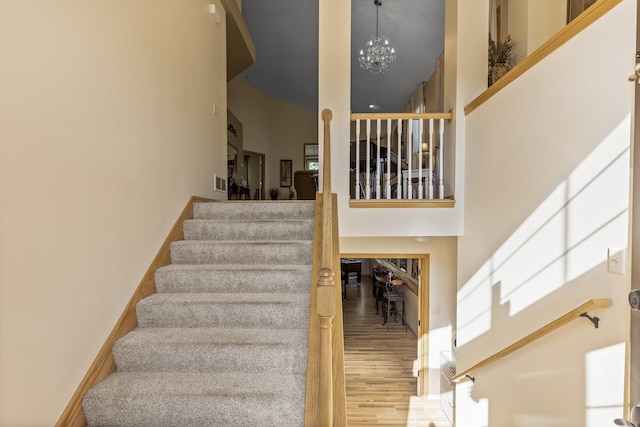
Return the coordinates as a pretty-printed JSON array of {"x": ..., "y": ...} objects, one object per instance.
[
  {"x": 326, "y": 405},
  {"x": 404, "y": 116},
  {"x": 546, "y": 329}
]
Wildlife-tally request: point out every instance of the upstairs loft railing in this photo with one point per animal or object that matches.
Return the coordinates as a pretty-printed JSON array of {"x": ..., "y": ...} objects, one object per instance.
[
  {"x": 398, "y": 156},
  {"x": 325, "y": 397}
]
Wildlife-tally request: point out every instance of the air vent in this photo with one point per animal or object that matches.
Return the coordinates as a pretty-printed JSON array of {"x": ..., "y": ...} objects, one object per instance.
[
  {"x": 220, "y": 183},
  {"x": 447, "y": 386}
]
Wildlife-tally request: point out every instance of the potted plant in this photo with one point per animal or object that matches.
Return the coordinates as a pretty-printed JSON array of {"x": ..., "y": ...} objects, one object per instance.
[
  {"x": 501, "y": 58},
  {"x": 274, "y": 193}
]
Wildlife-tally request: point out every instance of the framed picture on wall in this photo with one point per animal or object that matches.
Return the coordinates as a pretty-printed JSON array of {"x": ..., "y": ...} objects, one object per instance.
[{"x": 285, "y": 173}]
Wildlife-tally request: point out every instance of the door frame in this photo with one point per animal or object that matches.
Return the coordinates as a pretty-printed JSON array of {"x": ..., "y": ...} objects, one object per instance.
[
  {"x": 262, "y": 157},
  {"x": 632, "y": 392},
  {"x": 422, "y": 355}
]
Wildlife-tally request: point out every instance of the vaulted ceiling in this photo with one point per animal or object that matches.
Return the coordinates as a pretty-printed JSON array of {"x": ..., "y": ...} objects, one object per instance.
[{"x": 285, "y": 34}]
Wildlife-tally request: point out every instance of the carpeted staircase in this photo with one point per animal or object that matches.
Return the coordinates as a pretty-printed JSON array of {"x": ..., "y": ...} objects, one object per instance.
[{"x": 224, "y": 340}]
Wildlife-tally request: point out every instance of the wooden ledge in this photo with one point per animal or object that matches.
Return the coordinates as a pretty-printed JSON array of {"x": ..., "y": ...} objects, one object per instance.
[
  {"x": 582, "y": 21},
  {"x": 546, "y": 329},
  {"x": 395, "y": 203}
]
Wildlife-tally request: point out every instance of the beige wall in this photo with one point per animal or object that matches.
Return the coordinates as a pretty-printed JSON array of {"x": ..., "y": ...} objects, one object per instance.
[
  {"x": 547, "y": 195},
  {"x": 546, "y": 18},
  {"x": 533, "y": 22},
  {"x": 272, "y": 127},
  {"x": 106, "y": 130}
]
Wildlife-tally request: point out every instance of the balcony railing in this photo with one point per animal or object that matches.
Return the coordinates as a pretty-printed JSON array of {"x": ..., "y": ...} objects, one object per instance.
[{"x": 398, "y": 156}]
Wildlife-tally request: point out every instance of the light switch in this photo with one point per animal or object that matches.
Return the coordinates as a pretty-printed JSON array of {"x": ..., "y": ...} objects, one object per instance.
[{"x": 616, "y": 260}]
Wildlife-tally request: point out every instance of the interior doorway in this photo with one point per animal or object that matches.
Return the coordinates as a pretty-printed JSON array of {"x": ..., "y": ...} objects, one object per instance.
[
  {"x": 255, "y": 167},
  {"x": 413, "y": 269}
]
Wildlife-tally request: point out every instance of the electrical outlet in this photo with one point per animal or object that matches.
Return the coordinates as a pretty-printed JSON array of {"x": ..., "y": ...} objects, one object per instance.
[{"x": 616, "y": 260}]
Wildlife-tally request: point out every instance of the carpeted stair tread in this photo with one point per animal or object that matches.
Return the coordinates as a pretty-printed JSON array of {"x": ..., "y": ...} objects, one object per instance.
[
  {"x": 196, "y": 399},
  {"x": 242, "y": 252},
  {"x": 255, "y": 210},
  {"x": 213, "y": 350},
  {"x": 224, "y": 341},
  {"x": 209, "y": 229},
  {"x": 243, "y": 310},
  {"x": 284, "y": 278}
]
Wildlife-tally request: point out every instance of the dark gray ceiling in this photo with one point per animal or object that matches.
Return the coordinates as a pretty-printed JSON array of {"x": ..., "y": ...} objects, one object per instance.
[{"x": 285, "y": 33}]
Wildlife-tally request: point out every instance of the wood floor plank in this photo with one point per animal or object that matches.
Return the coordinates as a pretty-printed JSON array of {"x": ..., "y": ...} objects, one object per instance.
[{"x": 381, "y": 381}]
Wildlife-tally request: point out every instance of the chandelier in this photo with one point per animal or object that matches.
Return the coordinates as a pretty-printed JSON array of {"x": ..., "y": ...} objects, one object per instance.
[{"x": 378, "y": 56}]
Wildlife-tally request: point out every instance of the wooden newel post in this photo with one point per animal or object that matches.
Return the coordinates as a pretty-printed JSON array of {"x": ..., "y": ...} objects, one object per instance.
[
  {"x": 327, "y": 115},
  {"x": 326, "y": 311}
]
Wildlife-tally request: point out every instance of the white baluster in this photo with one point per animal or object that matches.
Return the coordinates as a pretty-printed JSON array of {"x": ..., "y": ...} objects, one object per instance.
[
  {"x": 441, "y": 189},
  {"x": 409, "y": 159},
  {"x": 368, "y": 167},
  {"x": 388, "y": 162},
  {"x": 399, "y": 162},
  {"x": 378, "y": 160},
  {"x": 420, "y": 139},
  {"x": 431, "y": 135},
  {"x": 357, "y": 189}
]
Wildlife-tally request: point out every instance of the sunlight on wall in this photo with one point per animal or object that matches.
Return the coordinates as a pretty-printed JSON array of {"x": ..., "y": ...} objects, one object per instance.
[
  {"x": 439, "y": 341},
  {"x": 604, "y": 372},
  {"x": 476, "y": 413},
  {"x": 566, "y": 236}
]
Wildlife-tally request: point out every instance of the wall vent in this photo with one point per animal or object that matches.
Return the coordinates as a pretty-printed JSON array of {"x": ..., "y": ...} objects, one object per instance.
[
  {"x": 447, "y": 386},
  {"x": 220, "y": 183}
]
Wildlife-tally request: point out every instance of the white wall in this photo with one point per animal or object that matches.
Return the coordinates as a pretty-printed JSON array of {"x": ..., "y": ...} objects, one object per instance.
[
  {"x": 106, "y": 130},
  {"x": 546, "y": 196},
  {"x": 442, "y": 280},
  {"x": 273, "y": 127}
]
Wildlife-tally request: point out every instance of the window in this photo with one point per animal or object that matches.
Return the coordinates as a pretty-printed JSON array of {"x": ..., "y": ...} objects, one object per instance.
[{"x": 311, "y": 156}]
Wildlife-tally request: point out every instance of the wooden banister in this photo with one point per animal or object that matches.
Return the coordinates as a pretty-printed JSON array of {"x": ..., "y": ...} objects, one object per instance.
[
  {"x": 403, "y": 116},
  {"x": 546, "y": 329},
  {"x": 326, "y": 287},
  {"x": 326, "y": 404}
]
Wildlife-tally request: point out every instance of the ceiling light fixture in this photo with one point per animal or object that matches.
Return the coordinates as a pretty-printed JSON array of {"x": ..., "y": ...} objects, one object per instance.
[{"x": 378, "y": 56}]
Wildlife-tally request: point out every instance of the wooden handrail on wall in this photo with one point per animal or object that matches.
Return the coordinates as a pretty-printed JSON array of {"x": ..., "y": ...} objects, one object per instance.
[
  {"x": 325, "y": 401},
  {"x": 546, "y": 329}
]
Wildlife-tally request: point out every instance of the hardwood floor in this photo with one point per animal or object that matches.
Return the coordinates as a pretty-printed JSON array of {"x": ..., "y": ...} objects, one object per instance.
[{"x": 379, "y": 368}]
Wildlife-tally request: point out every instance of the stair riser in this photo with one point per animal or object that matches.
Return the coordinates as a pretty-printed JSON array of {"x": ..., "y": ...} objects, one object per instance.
[
  {"x": 234, "y": 230},
  {"x": 233, "y": 281},
  {"x": 207, "y": 252},
  {"x": 254, "y": 210},
  {"x": 211, "y": 358},
  {"x": 194, "y": 411},
  {"x": 213, "y": 315}
]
